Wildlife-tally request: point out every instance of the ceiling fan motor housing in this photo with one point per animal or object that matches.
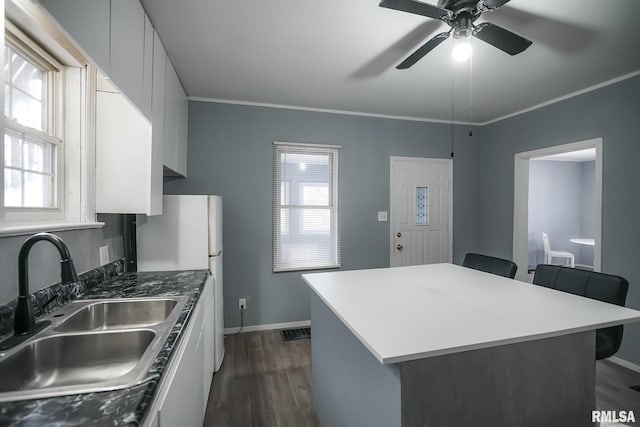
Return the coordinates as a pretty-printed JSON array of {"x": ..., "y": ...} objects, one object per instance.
[
  {"x": 463, "y": 25},
  {"x": 459, "y": 6}
]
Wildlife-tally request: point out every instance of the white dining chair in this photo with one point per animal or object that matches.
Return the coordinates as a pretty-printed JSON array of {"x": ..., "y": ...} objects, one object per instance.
[{"x": 550, "y": 254}]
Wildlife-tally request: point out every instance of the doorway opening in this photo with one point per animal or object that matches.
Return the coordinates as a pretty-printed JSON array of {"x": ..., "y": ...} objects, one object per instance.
[{"x": 558, "y": 192}]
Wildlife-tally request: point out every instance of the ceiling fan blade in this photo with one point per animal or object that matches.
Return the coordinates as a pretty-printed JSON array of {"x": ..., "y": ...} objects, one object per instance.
[
  {"x": 416, "y": 7},
  {"x": 423, "y": 50},
  {"x": 501, "y": 38},
  {"x": 494, "y": 4}
]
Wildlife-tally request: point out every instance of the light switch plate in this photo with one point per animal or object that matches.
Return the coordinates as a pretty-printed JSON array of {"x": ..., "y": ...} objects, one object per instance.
[
  {"x": 104, "y": 255},
  {"x": 382, "y": 216}
]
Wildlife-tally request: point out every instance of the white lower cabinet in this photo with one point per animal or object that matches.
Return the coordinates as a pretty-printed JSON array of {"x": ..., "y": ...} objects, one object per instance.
[
  {"x": 209, "y": 341},
  {"x": 182, "y": 395}
]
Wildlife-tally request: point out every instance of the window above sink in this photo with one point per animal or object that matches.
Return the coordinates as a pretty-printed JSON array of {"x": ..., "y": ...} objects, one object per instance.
[{"x": 48, "y": 153}]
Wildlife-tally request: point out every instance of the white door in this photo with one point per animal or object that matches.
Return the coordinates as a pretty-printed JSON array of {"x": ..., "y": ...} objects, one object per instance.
[{"x": 420, "y": 211}]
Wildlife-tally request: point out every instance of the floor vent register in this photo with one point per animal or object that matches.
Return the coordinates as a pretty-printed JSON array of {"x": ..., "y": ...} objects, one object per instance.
[{"x": 295, "y": 334}]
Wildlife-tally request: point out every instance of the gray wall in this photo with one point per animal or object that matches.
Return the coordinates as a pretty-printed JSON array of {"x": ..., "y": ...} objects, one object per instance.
[
  {"x": 44, "y": 261},
  {"x": 230, "y": 154},
  {"x": 611, "y": 113},
  {"x": 562, "y": 205}
]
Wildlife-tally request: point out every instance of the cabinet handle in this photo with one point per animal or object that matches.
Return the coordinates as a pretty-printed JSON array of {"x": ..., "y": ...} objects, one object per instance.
[{"x": 399, "y": 247}]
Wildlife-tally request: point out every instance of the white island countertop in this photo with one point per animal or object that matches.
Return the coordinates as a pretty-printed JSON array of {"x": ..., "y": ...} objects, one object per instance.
[{"x": 408, "y": 313}]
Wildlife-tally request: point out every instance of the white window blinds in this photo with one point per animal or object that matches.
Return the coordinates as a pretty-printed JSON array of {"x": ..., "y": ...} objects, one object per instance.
[{"x": 306, "y": 207}]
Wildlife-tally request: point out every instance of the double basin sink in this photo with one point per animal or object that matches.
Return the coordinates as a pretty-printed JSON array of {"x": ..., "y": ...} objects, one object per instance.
[{"x": 90, "y": 346}]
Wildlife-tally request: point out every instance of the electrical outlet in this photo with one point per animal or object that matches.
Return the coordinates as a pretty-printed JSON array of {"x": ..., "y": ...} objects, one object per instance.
[
  {"x": 382, "y": 216},
  {"x": 104, "y": 255},
  {"x": 242, "y": 304}
]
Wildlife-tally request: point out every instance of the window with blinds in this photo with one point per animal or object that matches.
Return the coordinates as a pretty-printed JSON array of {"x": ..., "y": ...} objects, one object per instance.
[
  {"x": 31, "y": 108},
  {"x": 306, "y": 207}
]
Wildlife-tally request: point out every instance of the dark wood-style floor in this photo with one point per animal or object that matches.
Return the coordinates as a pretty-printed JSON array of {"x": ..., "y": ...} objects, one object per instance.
[
  {"x": 267, "y": 382},
  {"x": 612, "y": 388},
  {"x": 263, "y": 381}
]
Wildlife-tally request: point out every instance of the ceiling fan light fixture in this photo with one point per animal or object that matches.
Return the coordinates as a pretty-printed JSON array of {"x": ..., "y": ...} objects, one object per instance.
[
  {"x": 462, "y": 32},
  {"x": 461, "y": 49}
]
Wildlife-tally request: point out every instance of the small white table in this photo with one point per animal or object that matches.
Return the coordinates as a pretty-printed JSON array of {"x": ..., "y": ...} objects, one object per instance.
[
  {"x": 584, "y": 242},
  {"x": 442, "y": 344},
  {"x": 587, "y": 242}
]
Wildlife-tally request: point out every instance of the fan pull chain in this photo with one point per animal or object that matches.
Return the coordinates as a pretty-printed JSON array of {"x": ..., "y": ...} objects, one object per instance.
[
  {"x": 471, "y": 86},
  {"x": 452, "y": 98}
]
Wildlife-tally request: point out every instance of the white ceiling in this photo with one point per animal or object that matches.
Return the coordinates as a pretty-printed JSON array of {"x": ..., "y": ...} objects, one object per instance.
[{"x": 341, "y": 55}]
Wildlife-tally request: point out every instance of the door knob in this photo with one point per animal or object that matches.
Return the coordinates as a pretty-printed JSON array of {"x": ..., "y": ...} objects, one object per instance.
[
  {"x": 399, "y": 247},
  {"x": 399, "y": 234}
]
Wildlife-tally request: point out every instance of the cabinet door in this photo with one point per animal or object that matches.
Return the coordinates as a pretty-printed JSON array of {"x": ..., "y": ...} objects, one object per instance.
[
  {"x": 157, "y": 122},
  {"x": 199, "y": 377},
  {"x": 175, "y": 155},
  {"x": 123, "y": 147},
  {"x": 147, "y": 68},
  {"x": 208, "y": 355},
  {"x": 183, "y": 404},
  {"x": 182, "y": 123},
  {"x": 171, "y": 117},
  {"x": 88, "y": 23},
  {"x": 208, "y": 336},
  {"x": 127, "y": 49}
]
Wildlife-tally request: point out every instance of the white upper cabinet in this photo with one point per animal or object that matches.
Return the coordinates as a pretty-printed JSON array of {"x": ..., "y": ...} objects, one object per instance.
[
  {"x": 124, "y": 153},
  {"x": 182, "y": 126},
  {"x": 157, "y": 117},
  {"x": 175, "y": 144},
  {"x": 88, "y": 23},
  {"x": 118, "y": 36},
  {"x": 127, "y": 50},
  {"x": 147, "y": 68}
]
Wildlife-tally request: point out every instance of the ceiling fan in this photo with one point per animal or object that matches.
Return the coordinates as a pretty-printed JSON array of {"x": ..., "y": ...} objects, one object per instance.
[{"x": 460, "y": 15}]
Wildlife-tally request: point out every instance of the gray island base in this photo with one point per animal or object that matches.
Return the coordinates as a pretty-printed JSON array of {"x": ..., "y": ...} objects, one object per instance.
[{"x": 544, "y": 382}]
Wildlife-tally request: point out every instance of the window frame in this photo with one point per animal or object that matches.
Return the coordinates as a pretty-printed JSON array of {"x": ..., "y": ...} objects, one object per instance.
[
  {"x": 52, "y": 133},
  {"x": 334, "y": 205},
  {"x": 74, "y": 125}
]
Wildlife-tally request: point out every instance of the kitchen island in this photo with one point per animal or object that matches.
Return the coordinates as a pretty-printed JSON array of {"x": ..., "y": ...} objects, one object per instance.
[
  {"x": 121, "y": 407},
  {"x": 446, "y": 345}
]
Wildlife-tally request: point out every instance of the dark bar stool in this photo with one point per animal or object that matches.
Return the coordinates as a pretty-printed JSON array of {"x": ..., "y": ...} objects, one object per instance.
[
  {"x": 489, "y": 264},
  {"x": 590, "y": 284}
]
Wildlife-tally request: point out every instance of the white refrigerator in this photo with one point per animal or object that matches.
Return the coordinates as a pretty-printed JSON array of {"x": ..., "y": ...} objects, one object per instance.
[{"x": 187, "y": 236}]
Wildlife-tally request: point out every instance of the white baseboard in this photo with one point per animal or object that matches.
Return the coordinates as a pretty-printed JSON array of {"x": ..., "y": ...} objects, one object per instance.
[
  {"x": 626, "y": 364},
  {"x": 268, "y": 327}
]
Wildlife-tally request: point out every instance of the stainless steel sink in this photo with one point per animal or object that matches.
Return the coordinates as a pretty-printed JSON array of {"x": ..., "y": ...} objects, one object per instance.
[
  {"x": 65, "y": 360},
  {"x": 93, "y": 345},
  {"x": 118, "y": 314}
]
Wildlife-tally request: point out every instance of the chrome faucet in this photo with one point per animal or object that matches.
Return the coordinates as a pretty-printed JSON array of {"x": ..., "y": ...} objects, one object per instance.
[{"x": 24, "y": 321}]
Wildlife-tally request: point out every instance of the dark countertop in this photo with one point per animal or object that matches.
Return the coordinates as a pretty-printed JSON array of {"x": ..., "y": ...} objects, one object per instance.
[{"x": 118, "y": 407}]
